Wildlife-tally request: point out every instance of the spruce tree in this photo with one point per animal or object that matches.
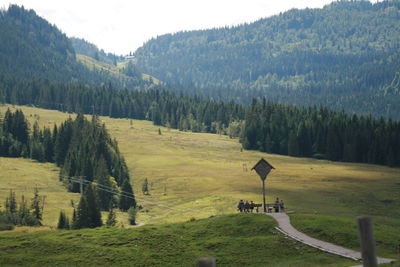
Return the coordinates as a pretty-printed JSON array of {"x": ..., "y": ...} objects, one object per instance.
[
  {"x": 61, "y": 220},
  {"x": 127, "y": 198},
  {"x": 74, "y": 222},
  {"x": 82, "y": 217},
  {"x": 36, "y": 208},
  {"x": 111, "y": 218},
  {"x": 93, "y": 207}
]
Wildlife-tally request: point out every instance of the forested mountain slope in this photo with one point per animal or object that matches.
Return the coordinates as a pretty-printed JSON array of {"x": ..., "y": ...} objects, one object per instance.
[
  {"x": 32, "y": 48},
  {"x": 83, "y": 47},
  {"x": 345, "y": 55}
]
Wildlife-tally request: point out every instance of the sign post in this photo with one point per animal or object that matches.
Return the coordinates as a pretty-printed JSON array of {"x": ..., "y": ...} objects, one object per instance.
[{"x": 263, "y": 168}]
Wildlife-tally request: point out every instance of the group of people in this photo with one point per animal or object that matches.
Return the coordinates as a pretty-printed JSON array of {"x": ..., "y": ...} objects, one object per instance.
[{"x": 246, "y": 206}]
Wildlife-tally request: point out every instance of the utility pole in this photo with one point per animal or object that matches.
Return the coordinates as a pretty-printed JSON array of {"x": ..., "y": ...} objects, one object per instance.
[{"x": 80, "y": 181}]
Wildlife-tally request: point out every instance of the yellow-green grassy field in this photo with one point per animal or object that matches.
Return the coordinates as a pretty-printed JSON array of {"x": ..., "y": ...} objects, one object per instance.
[{"x": 196, "y": 175}]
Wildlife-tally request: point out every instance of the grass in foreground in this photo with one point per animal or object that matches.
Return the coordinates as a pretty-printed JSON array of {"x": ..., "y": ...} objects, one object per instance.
[{"x": 235, "y": 240}]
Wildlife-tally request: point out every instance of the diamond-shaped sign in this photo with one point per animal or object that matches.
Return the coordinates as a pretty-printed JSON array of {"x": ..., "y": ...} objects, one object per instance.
[{"x": 263, "y": 168}]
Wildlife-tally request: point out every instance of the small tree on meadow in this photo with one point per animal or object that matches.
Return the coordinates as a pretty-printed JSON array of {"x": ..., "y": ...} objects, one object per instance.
[
  {"x": 63, "y": 222},
  {"x": 145, "y": 187},
  {"x": 132, "y": 215},
  {"x": 36, "y": 207},
  {"x": 111, "y": 218}
]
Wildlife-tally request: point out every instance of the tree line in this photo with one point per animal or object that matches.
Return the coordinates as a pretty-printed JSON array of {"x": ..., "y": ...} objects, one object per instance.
[
  {"x": 320, "y": 133},
  {"x": 276, "y": 128}
]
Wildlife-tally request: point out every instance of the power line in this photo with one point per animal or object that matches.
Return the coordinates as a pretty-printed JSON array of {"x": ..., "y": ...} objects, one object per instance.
[{"x": 123, "y": 193}]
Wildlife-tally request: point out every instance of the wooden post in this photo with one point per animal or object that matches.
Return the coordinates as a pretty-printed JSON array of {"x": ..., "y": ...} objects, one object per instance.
[
  {"x": 264, "y": 204},
  {"x": 367, "y": 242},
  {"x": 206, "y": 262}
]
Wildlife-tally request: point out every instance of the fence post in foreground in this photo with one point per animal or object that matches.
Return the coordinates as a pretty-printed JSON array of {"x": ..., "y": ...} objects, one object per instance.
[
  {"x": 206, "y": 262},
  {"x": 367, "y": 242}
]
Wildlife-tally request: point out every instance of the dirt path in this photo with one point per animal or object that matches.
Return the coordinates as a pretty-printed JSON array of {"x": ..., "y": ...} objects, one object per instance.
[{"x": 286, "y": 228}]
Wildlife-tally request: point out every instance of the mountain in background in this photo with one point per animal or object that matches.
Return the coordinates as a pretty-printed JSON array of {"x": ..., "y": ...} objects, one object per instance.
[
  {"x": 32, "y": 49},
  {"x": 86, "y": 48},
  {"x": 345, "y": 56}
]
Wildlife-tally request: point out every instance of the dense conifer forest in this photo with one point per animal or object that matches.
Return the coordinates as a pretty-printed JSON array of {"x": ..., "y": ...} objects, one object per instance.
[
  {"x": 276, "y": 128},
  {"x": 81, "y": 148},
  {"x": 344, "y": 56},
  {"x": 32, "y": 48}
]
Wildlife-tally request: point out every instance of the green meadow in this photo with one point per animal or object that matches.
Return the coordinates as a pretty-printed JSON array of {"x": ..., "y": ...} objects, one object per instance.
[
  {"x": 234, "y": 240},
  {"x": 194, "y": 176}
]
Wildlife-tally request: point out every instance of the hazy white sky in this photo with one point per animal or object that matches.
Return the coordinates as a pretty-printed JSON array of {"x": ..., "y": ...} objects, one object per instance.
[{"x": 121, "y": 26}]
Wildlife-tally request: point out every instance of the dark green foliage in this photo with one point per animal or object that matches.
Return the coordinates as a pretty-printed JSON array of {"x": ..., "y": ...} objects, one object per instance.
[
  {"x": 344, "y": 56},
  {"x": 320, "y": 133},
  {"x": 88, "y": 214},
  {"x": 63, "y": 221},
  {"x": 74, "y": 222},
  {"x": 37, "y": 206},
  {"x": 90, "y": 152},
  {"x": 14, "y": 141},
  {"x": 111, "y": 218},
  {"x": 93, "y": 207},
  {"x": 11, "y": 208},
  {"x": 32, "y": 48},
  {"x": 127, "y": 198},
  {"x": 21, "y": 214}
]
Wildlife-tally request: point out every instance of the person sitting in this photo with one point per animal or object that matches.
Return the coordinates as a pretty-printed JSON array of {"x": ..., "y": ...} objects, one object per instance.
[
  {"x": 241, "y": 205},
  {"x": 277, "y": 205},
  {"x": 247, "y": 207},
  {"x": 251, "y": 206}
]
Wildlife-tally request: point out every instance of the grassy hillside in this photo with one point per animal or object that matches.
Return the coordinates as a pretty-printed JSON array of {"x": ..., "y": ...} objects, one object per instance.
[
  {"x": 199, "y": 175},
  {"x": 23, "y": 175},
  {"x": 111, "y": 69},
  {"x": 235, "y": 240}
]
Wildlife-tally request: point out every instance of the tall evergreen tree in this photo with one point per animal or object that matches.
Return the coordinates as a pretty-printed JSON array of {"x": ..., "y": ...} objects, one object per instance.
[
  {"x": 36, "y": 207},
  {"x": 127, "y": 198}
]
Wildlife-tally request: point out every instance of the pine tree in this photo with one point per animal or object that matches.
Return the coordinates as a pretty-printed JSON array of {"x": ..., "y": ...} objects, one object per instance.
[
  {"x": 82, "y": 217},
  {"x": 93, "y": 207},
  {"x": 111, "y": 218},
  {"x": 127, "y": 198},
  {"x": 36, "y": 208},
  {"x": 74, "y": 222},
  {"x": 62, "y": 219},
  {"x": 11, "y": 203}
]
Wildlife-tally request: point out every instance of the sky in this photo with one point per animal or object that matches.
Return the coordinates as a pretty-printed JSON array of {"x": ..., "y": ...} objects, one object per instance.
[{"x": 121, "y": 26}]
